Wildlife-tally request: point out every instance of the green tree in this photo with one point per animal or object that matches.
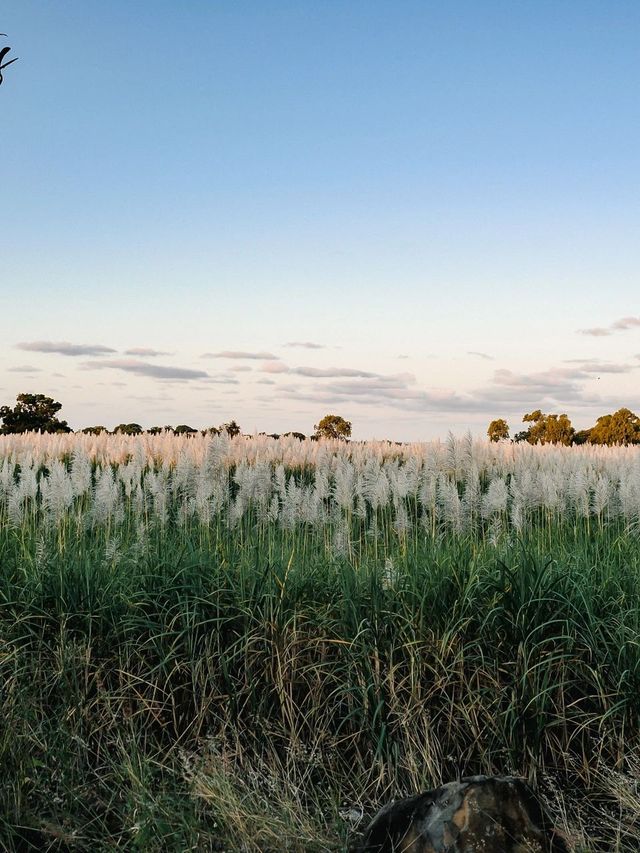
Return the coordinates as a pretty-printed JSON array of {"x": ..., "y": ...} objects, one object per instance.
[
  {"x": 128, "y": 429},
  {"x": 32, "y": 413},
  {"x": 184, "y": 429},
  {"x": 498, "y": 429},
  {"x": 333, "y": 426},
  {"x": 622, "y": 427},
  {"x": 547, "y": 429},
  {"x": 581, "y": 436},
  {"x": 94, "y": 430}
]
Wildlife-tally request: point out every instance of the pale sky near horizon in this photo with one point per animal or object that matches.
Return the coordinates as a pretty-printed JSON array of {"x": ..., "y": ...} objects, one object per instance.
[{"x": 417, "y": 215}]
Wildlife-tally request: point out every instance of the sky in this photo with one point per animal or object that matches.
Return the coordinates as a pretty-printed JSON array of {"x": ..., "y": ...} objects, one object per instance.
[{"x": 417, "y": 215}]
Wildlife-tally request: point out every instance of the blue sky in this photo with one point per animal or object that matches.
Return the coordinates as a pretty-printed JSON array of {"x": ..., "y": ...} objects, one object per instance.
[{"x": 441, "y": 197}]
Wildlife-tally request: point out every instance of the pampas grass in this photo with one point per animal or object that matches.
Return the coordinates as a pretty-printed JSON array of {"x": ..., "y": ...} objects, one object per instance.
[{"x": 218, "y": 642}]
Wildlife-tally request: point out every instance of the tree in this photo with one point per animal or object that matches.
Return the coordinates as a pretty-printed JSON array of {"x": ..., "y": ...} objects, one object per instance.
[
  {"x": 333, "y": 426},
  {"x": 498, "y": 429},
  {"x": 183, "y": 429},
  {"x": 622, "y": 427},
  {"x": 32, "y": 413},
  {"x": 547, "y": 429},
  {"x": 232, "y": 429},
  {"x": 581, "y": 436},
  {"x": 128, "y": 429},
  {"x": 3, "y": 54},
  {"x": 94, "y": 430}
]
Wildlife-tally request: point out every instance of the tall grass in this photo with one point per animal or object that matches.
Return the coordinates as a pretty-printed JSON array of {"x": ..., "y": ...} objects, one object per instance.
[{"x": 218, "y": 643}]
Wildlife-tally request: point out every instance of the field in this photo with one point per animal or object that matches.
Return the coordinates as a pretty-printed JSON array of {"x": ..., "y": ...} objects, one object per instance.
[{"x": 218, "y": 644}]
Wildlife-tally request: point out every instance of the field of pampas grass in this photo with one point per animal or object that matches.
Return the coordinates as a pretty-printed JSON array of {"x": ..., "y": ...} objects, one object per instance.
[{"x": 210, "y": 644}]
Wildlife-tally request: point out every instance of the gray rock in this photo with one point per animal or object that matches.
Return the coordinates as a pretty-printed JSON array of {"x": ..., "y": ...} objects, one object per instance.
[{"x": 479, "y": 814}]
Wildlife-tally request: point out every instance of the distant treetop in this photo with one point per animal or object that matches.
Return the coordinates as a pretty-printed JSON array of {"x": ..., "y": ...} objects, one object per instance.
[{"x": 32, "y": 413}]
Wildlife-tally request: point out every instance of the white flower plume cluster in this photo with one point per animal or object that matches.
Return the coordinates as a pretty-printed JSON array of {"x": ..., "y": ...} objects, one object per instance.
[{"x": 458, "y": 486}]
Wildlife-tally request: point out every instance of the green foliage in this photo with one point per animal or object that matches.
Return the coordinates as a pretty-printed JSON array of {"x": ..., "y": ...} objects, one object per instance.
[
  {"x": 131, "y": 682},
  {"x": 32, "y": 413},
  {"x": 333, "y": 426},
  {"x": 581, "y": 436},
  {"x": 183, "y": 429},
  {"x": 128, "y": 429},
  {"x": 622, "y": 427},
  {"x": 498, "y": 430},
  {"x": 94, "y": 430},
  {"x": 547, "y": 429},
  {"x": 175, "y": 682}
]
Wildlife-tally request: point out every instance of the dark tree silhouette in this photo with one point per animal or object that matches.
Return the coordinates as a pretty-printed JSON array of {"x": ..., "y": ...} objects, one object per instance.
[
  {"x": 3, "y": 53},
  {"x": 32, "y": 413},
  {"x": 128, "y": 429}
]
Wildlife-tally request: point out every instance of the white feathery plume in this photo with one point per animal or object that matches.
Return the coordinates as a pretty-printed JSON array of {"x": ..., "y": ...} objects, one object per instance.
[
  {"x": 81, "y": 478},
  {"x": 495, "y": 499}
]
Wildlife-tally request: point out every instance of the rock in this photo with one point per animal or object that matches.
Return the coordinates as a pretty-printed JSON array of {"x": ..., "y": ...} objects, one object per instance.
[{"x": 479, "y": 814}]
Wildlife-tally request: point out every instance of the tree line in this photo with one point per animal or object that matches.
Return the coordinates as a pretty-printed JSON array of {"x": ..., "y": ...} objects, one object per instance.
[
  {"x": 621, "y": 427},
  {"x": 38, "y": 413}
]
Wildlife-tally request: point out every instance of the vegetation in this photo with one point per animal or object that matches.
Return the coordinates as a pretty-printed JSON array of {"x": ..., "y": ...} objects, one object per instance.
[
  {"x": 127, "y": 429},
  {"x": 36, "y": 413},
  {"x": 32, "y": 412},
  {"x": 498, "y": 430},
  {"x": 3, "y": 55},
  {"x": 547, "y": 429},
  {"x": 623, "y": 427},
  {"x": 333, "y": 426},
  {"x": 620, "y": 428},
  {"x": 215, "y": 642}
]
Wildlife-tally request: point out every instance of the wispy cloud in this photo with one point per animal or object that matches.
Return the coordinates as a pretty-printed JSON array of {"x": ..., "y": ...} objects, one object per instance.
[
  {"x": 64, "y": 348},
  {"x": 316, "y": 372},
  {"x": 621, "y": 325},
  {"x": 146, "y": 352},
  {"x": 508, "y": 392},
  {"x": 254, "y": 356},
  {"x": 592, "y": 365},
  {"x": 306, "y": 345},
  {"x": 141, "y": 368},
  {"x": 24, "y": 368},
  {"x": 221, "y": 380},
  {"x": 480, "y": 355}
]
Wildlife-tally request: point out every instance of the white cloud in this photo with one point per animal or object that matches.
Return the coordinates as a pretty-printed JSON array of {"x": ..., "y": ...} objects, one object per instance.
[
  {"x": 256, "y": 356},
  {"x": 317, "y": 372},
  {"x": 146, "y": 352}
]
